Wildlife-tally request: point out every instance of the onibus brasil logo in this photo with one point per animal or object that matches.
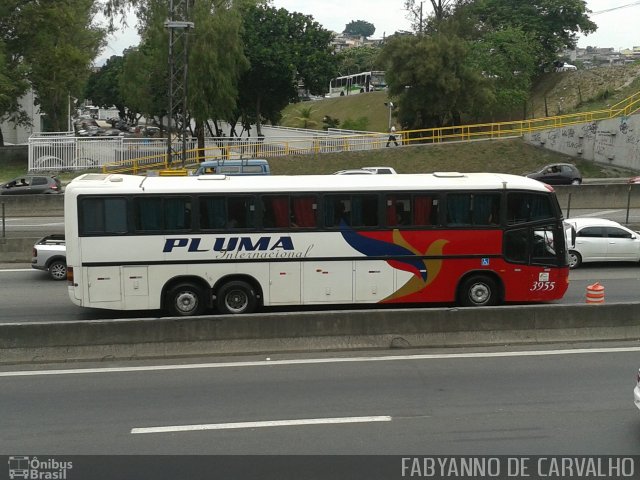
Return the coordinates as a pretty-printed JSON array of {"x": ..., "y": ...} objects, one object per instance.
[{"x": 38, "y": 469}]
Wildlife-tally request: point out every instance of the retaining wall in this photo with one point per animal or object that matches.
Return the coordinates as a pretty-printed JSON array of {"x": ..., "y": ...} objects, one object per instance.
[
  {"x": 316, "y": 331},
  {"x": 611, "y": 142}
]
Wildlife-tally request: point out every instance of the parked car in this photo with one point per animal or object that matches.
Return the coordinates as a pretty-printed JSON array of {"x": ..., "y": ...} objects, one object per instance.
[
  {"x": 601, "y": 240},
  {"x": 558, "y": 174},
  {"x": 636, "y": 391},
  {"x": 31, "y": 184},
  {"x": 634, "y": 180},
  {"x": 50, "y": 254},
  {"x": 566, "y": 67}
]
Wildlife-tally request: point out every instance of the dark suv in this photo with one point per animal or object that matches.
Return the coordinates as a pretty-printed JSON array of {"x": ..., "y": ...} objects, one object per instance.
[
  {"x": 558, "y": 174},
  {"x": 31, "y": 184}
]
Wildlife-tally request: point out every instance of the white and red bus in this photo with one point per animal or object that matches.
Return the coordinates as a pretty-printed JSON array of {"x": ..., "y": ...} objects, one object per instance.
[{"x": 237, "y": 244}]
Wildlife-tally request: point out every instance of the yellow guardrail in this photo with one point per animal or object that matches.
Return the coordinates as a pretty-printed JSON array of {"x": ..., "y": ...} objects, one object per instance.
[{"x": 333, "y": 144}]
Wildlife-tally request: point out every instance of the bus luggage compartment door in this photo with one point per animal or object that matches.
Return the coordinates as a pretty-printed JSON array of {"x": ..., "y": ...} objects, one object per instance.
[
  {"x": 284, "y": 283},
  {"x": 328, "y": 282},
  {"x": 374, "y": 281},
  {"x": 104, "y": 284}
]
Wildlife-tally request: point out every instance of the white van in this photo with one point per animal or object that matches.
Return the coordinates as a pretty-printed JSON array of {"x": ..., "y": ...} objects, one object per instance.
[{"x": 251, "y": 166}]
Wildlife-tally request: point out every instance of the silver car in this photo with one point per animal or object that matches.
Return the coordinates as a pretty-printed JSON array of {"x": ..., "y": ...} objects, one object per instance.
[
  {"x": 601, "y": 240},
  {"x": 50, "y": 255}
]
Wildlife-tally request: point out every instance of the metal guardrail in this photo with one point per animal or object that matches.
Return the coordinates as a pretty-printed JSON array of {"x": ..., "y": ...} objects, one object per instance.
[{"x": 62, "y": 151}]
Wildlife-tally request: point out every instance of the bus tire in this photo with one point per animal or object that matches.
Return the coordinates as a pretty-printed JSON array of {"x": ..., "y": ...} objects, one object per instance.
[
  {"x": 185, "y": 299},
  {"x": 478, "y": 291},
  {"x": 575, "y": 260},
  {"x": 236, "y": 297}
]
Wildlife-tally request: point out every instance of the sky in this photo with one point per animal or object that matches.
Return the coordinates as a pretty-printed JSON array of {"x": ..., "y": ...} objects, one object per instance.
[{"x": 616, "y": 28}]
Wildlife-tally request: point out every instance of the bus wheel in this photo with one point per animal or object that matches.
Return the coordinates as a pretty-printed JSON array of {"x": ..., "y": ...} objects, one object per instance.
[
  {"x": 478, "y": 291},
  {"x": 574, "y": 259},
  {"x": 185, "y": 299},
  {"x": 237, "y": 297}
]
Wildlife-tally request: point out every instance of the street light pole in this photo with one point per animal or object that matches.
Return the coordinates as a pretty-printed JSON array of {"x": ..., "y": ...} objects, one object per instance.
[{"x": 390, "y": 104}]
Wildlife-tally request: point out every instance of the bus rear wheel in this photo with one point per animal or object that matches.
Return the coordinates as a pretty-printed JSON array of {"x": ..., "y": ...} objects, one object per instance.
[
  {"x": 185, "y": 299},
  {"x": 478, "y": 291},
  {"x": 237, "y": 297}
]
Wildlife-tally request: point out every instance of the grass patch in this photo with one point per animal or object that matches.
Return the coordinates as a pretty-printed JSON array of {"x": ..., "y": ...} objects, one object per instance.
[{"x": 499, "y": 156}]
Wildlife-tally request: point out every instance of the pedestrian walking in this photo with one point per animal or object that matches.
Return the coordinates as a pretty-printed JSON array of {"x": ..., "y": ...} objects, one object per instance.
[{"x": 392, "y": 136}]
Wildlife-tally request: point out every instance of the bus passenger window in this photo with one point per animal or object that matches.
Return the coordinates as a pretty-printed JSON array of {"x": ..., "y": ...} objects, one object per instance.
[
  {"x": 276, "y": 211},
  {"x": 303, "y": 212},
  {"x": 337, "y": 210},
  {"x": 212, "y": 213},
  {"x": 459, "y": 209},
  {"x": 425, "y": 210},
  {"x": 398, "y": 211}
]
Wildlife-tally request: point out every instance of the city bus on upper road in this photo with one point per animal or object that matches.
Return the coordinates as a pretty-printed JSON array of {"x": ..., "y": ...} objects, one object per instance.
[
  {"x": 357, "y": 83},
  {"x": 237, "y": 244}
]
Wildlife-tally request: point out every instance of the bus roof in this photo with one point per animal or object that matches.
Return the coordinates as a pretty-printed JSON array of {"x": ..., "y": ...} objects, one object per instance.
[{"x": 112, "y": 183}]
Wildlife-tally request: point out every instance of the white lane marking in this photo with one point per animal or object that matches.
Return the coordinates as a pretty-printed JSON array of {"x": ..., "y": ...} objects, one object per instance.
[
  {"x": 312, "y": 361},
  {"x": 599, "y": 214},
  {"x": 13, "y": 270},
  {"x": 267, "y": 423}
]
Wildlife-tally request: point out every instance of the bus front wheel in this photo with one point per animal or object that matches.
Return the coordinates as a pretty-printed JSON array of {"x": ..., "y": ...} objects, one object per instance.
[
  {"x": 237, "y": 297},
  {"x": 478, "y": 291},
  {"x": 185, "y": 299}
]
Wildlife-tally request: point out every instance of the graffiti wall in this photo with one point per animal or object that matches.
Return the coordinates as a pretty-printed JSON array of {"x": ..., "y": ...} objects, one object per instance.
[{"x": 611, "y": 142}]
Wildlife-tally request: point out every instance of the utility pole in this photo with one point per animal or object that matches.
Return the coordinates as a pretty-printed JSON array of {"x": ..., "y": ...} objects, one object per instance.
[{"x": 178, "y": 25}]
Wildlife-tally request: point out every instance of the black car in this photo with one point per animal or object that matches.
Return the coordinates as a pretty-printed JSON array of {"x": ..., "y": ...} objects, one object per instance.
[
  {"x": 558, "y": 174},
  {"x": 31, "y": 184}
]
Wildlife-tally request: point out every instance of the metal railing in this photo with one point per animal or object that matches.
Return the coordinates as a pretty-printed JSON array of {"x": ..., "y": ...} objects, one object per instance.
[{"x": 62, "y": 151}]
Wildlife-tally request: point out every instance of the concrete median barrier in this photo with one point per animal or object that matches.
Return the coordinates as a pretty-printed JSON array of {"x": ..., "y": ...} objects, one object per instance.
[
  {"x": 33, "y": 205},
  {"x": 315, "y": 331},
  {"x": 17, "y": 250}
]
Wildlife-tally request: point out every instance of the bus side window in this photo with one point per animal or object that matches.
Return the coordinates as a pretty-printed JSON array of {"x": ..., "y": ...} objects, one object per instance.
[
  {"x": 337, "y": 210},
  {"x": 425, "y": 210},
  {"x": 516, "y": 245},
  {"x": 240, "y": 212},
  {"x": 212, "y": 213},
  {"x": 304, "y": 211}
]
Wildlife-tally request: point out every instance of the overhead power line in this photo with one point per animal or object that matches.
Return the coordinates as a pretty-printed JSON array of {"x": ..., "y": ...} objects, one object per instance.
[{"x": 616, "y": 8}]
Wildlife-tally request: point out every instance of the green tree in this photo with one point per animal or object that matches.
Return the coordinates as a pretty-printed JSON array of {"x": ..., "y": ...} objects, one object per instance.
[
  {"x": 103, "y": 86},
  {"x": 216, "y": 61},
  {"x": 359, "y": 59},
  {"x": 417, "y": 16},
  {"x": 13, "y": 85},
  {"x": 51, "y": 45},
  {"x": 507, "y": 58},
  {"x": 144, "y": 82},
  {"x": 359, "y": 28},
  {"x": 60, "y": 43},
  {"x": 284, "y": 49},
  {"x": 554, "y": 24},
  {"x": 432, "y": 81}
]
